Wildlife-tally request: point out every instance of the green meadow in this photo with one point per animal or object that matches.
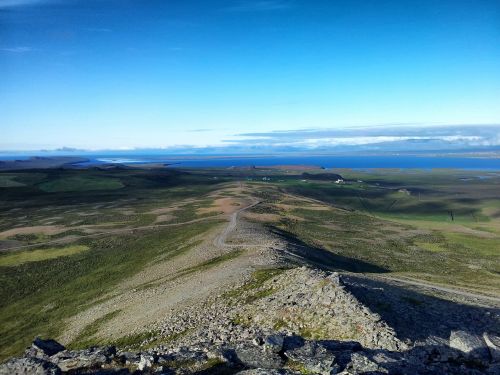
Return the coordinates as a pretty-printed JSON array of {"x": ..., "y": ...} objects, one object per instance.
[{"x": 19, "y": 257}]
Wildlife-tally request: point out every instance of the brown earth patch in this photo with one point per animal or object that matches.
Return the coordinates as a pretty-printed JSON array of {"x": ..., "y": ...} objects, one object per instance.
[
  {"x": 44, "y": 229},
  {"x": 225, "y": 205},
  {"x": 163, "y": 218}
]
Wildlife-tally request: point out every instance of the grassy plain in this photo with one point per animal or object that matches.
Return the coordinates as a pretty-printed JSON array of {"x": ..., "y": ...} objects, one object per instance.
[{"x": 73, "y": 235}]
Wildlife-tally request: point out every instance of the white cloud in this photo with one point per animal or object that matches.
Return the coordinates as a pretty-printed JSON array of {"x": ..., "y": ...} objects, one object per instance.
[
  {"x": 358, "y": 141},
  {"x": 444, "y": 137}
]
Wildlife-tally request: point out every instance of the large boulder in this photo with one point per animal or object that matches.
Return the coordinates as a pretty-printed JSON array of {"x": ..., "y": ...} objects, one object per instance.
[
  {"x": 128, "y": 358},
  {"x": 362, "y": 364},
  {"x": 471, "y": 345},
  {"x": 180, "y": 355},
  {"x": 146, "y": 362},
  {"x": 92, "y": 358},
  {"x": 29, "y": 366},
  {"x": 273, "y": 343},
  {"x": 313, "y": 357},
  {"x": 255, "y": 356},
  {"x": 44, "y": 348}
]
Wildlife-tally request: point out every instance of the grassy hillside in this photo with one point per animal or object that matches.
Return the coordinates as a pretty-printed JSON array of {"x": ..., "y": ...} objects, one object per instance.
[
  {"x": 68, "y": 237},
  {"x": 42, "y": 285}
]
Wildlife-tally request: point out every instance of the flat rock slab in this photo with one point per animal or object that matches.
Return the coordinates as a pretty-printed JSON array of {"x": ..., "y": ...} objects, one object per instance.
[
  {"x": 47, "y": 347},
  {"x": 253, "y": 356},
  {"x": 472, "y": 345}
]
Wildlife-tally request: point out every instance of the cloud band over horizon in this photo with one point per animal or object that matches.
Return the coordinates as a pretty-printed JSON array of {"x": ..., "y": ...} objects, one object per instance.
[{"x": 376, "y": 138}]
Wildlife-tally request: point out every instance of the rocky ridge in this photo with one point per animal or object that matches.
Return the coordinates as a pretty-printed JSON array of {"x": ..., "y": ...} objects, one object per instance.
[{"x": 292, "y": 321}]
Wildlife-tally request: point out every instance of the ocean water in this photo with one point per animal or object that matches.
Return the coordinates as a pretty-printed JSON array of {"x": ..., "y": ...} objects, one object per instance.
[{"x": 326, "y": 161}]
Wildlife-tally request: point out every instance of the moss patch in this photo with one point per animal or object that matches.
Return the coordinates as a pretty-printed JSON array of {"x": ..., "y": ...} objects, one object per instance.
[{"x": 20, "y": 257}]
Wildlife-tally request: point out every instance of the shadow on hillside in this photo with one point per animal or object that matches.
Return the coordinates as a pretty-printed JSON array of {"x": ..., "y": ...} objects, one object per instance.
[
  {"x": 420, "y": 317},
  {"x": 303, "y": 253},
  {"x": 413, "y": 315}
]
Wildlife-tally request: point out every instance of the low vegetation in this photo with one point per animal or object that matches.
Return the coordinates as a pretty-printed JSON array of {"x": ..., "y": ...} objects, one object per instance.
[
  {"x": 20, "y": 257},
  {"x": 44, "y": 285},
  {"x": 80, "y": 183},
  {"x": 439, "y": 226},
  {"x": 411, "y": 223}
]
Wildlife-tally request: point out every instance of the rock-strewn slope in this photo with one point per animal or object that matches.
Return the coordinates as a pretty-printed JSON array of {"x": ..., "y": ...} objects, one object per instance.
[
  {"x": 296, "y": 321},
  {"x": 301, "y": 301}
]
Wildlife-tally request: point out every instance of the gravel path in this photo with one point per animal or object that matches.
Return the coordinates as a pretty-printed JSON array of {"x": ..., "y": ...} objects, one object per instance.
[
  {"x": 220, "y": 240},
  {"x": 164, "y": 288},
  {"x": 427, "y": 285}
]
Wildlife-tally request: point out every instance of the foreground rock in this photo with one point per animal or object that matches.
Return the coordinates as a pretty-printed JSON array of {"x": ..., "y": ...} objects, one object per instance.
[
  {"x": 297, "y": 321},
  {"x": 274, "y": 354},
  {"x": 472, "y": 346}
]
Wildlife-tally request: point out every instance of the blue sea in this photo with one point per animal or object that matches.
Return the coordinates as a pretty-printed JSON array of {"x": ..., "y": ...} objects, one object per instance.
[{"x": 326, "y": 161}]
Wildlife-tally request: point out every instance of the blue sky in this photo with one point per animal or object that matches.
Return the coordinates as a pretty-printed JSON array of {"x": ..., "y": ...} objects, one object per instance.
[{"x": 120, "y": 74}]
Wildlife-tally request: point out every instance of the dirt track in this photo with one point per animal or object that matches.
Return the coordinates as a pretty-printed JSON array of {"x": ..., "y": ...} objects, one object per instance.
[
  {"x": 164, "y": 287},
  {"x": 220, "y": 240}
]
